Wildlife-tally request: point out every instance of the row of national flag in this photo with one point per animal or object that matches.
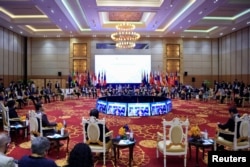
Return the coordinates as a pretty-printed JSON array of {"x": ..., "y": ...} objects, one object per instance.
[
  {"x": 160, "y": 78},
  {"x": 87, "y": 78},
  {"x": 92, "y": 79}
]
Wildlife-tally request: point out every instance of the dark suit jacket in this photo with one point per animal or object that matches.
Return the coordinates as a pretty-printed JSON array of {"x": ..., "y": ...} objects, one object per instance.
[
  {"x": 57, "y": 85},
  {"x": 45, "y": 121},
  {"x": 13, "y": 113},
  {"x": 101, "y": 132},
  {"x": 230, "y": 126}
]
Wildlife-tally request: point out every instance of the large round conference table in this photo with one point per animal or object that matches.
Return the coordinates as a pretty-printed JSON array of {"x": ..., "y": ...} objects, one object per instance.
[{"x": 134, "y": 105}]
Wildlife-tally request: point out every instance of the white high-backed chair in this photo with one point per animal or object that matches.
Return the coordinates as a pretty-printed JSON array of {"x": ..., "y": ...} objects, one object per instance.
[
  {"x": 238, "y": 143},
  {"x": 7, "y": 126},
  {"x": 35, "y": 121},
  {"x": 33, "y": 125},
  {"x": 91, "y": 134},
  {"x": 5, "y": 118},
  {"x": 173, "y": 141}
]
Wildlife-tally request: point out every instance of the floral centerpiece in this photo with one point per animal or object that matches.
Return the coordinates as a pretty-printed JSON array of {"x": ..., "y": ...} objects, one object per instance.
[
  {"x": 59, "y": 126},
  {"x": 195, "y": 132},
  {"x": 23, "y": 118},
  {"x": 123, "y": 131}
]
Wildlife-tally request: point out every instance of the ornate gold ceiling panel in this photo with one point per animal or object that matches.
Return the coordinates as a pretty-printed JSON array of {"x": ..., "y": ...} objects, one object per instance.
[{"x": 125, "y": 16}]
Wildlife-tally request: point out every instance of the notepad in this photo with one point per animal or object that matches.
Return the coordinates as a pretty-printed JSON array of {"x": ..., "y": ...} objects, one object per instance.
[
  {"x": 208, "y": 142},
  {"x": 54, "y": 136},
  {"x": 125, "y": 142},
  {"x": 16, "y": 126}
]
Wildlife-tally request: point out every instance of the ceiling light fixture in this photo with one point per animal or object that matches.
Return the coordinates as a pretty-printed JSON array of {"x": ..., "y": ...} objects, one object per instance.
[{"x": 125, "y": 37}]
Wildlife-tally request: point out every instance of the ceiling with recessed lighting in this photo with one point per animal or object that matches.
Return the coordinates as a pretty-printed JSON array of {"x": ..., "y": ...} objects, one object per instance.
[{"x": 152, "y": 18}]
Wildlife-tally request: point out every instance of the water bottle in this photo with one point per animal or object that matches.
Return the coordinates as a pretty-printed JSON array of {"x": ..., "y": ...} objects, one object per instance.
[
  {"x": 27, "y": 122},
  {"x": 62, "y": 131},
  {"x": 131, "y": 136},
  {"x": 64, "y": 123},
  {"x": 205, "y": 135}
]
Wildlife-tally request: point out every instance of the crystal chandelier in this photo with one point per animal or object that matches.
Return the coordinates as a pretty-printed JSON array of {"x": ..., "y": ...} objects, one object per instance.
[{"x": 125, "y": 37}]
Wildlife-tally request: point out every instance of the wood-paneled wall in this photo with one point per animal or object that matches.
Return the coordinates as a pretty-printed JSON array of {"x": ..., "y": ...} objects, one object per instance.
[
  {"x": 11, "y": 56},
  {"x": 42, "y": 82},
  {"x": 223, "y": 59},
  {"x": 48, "y": 56},
  {"x": 234, "y": 56}
]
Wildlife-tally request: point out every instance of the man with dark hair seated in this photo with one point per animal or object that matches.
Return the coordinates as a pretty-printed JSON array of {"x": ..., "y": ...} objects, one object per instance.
[
  {"x": 77, "y": 91},
  {"x": 233, "y": 112},
  {"x": 45, "y": 121},
  {"x": 12, "y": 109},
  {"x": 39, "y": 149},
  {"x": 95, "y": 113},
  {"x": 229, "y": 125},
  {"x": 60, "y": 93}
]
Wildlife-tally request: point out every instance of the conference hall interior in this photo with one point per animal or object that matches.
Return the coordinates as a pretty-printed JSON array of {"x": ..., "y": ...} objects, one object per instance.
[{"x": 167, "y": 58}]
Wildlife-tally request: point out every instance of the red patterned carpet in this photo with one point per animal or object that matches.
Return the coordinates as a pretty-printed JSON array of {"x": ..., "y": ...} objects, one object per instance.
[{"x": 205, "y": 114}]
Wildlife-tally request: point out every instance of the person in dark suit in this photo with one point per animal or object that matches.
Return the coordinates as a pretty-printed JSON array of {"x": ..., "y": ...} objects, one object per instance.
[
  {"x": 45, "y": 121},
  {"x": 45, "y": 94},
  {"x": 2, "y": 97},
  {"x": 12, "y": 109},
  {"x": 94, "y": 112},
  {"x": 30, "y": 95},
  {"x": 230, "y": 124},
  {"x": 57, "y": 85},
  {"x": 49, "y": 84},
  {"x": 20, "y": 98},
  {"x": 94, "y": 92},
  {"x": 77, "y": 91},
  {"x": 60, "y": 93}
]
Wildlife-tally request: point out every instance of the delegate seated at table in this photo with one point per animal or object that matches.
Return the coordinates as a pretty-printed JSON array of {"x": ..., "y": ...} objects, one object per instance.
[
  {"x": 12, "y": 109},
  {"x": 45, "y": 122},
  {"x": 95, "y": 113},
  {"x": 77, "y": 91},
  {"x": 230, "y": 124},
  {"x": 60, "y": 93}
]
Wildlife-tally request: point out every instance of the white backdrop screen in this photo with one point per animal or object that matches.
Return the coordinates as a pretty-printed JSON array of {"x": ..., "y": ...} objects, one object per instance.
[{"x": 123, "y": 68}]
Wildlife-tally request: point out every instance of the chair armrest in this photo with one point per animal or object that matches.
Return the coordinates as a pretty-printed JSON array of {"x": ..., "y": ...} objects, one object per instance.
[
  {"x": 110, "y": 133},
  {"x": 224, "y": 132},
  {"x": 221, "y": 131},
  {"x": 14, "y": 119},
  {"x": 244, "y": 115},
  {"x": 48, "y": 127},
  {"x": 159, "y": 136}
]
